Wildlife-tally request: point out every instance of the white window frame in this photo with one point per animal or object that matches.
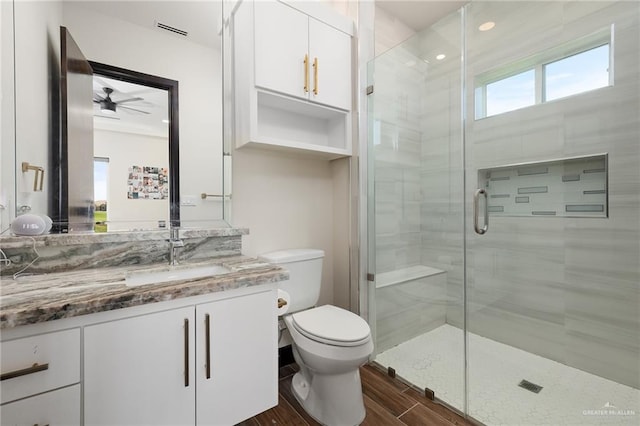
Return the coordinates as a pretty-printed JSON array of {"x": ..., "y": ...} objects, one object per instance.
[{"x": 538, "y": 63}]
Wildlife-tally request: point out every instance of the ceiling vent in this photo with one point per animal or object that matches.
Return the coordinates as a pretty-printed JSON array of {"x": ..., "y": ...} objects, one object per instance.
[{"x": 172, "y": 29}]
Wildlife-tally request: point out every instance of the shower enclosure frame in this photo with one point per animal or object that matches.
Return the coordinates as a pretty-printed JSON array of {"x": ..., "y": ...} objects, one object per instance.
[{"x": 367, "y": 194}]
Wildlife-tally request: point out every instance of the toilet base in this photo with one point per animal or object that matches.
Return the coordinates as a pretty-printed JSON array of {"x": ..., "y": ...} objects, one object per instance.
[{"x": 332, "y": 400}]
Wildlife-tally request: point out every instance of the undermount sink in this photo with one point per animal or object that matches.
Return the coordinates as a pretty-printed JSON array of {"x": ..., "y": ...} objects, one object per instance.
[{"x": 137, "y": 278}]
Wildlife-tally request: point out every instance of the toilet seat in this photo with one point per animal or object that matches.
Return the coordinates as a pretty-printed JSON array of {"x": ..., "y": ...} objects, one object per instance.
[{"x": 332, "y": 325}]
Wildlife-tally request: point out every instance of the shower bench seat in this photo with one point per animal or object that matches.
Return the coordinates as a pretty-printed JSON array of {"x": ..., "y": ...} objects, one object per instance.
[{"x": 409, "y": 302}]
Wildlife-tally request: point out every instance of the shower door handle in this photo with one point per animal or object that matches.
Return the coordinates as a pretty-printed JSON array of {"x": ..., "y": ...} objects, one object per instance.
[{"x": 476, "y": 226}]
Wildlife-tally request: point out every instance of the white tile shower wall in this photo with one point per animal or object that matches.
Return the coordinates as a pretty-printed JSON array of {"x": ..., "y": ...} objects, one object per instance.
[
  {"x": 396, "y": 146},
  {"x": 566, "y": 288},
  {"x": 407, "y": 309},
  {"x": 441, "y": 161}
]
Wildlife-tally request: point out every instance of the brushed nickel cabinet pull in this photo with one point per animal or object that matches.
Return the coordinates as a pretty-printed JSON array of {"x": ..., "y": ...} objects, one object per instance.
[
  {"x": 207, "y": 338},
  {"x": 29, "y": 370},
  {"x": 186, "y": 352}
]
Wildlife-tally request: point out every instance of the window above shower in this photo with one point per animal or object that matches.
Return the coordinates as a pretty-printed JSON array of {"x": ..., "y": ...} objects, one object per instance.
[{"x": 572, "y": 68}]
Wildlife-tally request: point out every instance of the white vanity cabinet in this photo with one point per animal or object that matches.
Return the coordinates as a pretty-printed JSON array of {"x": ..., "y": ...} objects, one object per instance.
[
  {"x": 292, "y": 77},
  {"x": 209, "y": 363},
  {"x": 57, "y": 408},
  {"x": 139, "y": 370},
  {"x": 40, "y": 379},
  {"x": 236, "y": 358}
]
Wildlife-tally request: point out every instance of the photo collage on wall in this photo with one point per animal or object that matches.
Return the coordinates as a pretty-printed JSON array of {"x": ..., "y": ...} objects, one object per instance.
[{"x": 148, "y": 183}]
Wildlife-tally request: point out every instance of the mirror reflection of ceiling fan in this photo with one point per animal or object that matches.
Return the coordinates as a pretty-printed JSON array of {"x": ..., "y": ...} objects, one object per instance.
[{"x": 109, "y": 106}]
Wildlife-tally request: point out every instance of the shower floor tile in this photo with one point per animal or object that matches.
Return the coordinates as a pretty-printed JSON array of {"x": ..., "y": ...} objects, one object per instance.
[{"x": 568, "y": 397}]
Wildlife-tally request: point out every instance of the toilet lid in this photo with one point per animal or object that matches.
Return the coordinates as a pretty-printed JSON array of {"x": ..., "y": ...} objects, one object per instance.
[{"x": 332, "y": 325}]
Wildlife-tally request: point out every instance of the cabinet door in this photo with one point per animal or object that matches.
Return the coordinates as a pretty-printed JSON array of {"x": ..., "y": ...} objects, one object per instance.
[
  {"x": 330, "y": 72},
  {"x": 281, "y": 43},
  {"x": 136, "y": 370},
  {"x": 57, "y": 408},
  {"x": 243, "y": 378}
]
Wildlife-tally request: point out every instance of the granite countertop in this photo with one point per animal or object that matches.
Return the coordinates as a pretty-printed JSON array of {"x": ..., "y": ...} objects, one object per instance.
[{"x": 46, "y": 297}]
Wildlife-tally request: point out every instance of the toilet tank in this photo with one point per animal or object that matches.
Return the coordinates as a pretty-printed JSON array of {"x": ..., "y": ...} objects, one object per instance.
[{"x": 305, "y": 275}]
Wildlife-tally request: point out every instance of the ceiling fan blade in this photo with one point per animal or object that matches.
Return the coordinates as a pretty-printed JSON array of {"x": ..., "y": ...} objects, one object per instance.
[
  {"x": 97, "y": 97},
  {"x": 129, "y": 100},
  {"x": 106, "y": 116},
  {"x": 133, "y": 109}
]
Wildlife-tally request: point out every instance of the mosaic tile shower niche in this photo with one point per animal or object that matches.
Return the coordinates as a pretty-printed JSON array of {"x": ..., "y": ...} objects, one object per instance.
[{"x": 569, "y": 187}]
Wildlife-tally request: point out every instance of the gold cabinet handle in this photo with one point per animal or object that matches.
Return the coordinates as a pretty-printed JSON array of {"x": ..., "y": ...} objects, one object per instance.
[
  {"x": 186, "y": 352},
  {"x": 315, "y": 76},
  {"x": 29, "y": 370},
  {"x": 306, "y": 73},
  {"x": 207, "y": 338}
]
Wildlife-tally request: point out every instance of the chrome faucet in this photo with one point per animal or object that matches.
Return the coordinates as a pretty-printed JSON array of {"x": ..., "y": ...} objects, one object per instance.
[{"x": 175, "y": 244}]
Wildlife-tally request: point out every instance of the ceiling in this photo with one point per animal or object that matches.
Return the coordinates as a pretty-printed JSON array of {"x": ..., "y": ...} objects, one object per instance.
[
  {"x": 419, "y": 14},
  {"x": 154, "y": 101},
  {"x": 201, "y": 19}
]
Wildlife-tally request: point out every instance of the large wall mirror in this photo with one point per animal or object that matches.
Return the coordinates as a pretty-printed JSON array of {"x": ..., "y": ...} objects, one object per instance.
[{"x": 132, "y": 182}]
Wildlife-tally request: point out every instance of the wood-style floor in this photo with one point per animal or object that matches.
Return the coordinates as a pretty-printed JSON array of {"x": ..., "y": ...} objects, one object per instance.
[{"x": 387, "y": 401}]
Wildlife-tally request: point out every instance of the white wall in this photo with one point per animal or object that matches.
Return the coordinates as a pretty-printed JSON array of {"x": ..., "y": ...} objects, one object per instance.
[
  {"x": 342, "y": 211},
  {"x": 37, "y": 53},
  {"x": 123, "y": 151},
  {"x": 287, "y": 202},
  {"x": 196, "y": 67},
  {"x": 7, "y": 130}
]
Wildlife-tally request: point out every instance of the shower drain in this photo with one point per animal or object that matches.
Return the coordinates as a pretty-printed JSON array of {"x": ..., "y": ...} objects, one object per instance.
[{"x": 530, "y": 386}]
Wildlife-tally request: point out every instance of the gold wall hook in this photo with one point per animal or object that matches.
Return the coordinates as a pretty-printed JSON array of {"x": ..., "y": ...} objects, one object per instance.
[{"x": 39, "y": 171}]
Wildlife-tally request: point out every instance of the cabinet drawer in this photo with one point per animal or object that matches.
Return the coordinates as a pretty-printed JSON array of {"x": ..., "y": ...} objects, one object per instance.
[
  {"x": 57, "y": 408},
  {"x": 39, "y": 363}
]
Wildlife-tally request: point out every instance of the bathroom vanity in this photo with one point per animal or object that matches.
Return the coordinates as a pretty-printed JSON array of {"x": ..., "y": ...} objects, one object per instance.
[{"x": 84, "y": 347}]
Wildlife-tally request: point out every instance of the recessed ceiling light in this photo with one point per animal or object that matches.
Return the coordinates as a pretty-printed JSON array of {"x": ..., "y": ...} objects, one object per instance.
[
  {"x": 487, "y": 26},
  {"x": 441, "y": 56},
  {"x": 165, "y": 121}
]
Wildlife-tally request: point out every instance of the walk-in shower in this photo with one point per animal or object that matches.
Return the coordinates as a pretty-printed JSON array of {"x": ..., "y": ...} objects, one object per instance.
[{"x": 527, "y": 114}]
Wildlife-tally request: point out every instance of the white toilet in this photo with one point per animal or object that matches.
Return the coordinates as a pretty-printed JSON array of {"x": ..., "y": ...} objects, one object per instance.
[{"x": 329, "y": 343}]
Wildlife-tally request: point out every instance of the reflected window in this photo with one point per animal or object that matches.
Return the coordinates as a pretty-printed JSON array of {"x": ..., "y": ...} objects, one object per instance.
[{"x": 100, "y": 192}]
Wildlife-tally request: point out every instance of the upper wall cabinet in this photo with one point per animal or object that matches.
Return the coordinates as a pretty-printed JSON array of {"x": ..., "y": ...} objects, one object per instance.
[
  {"x": 293, "y": 78},
  {"x": 291, "y": 48}
]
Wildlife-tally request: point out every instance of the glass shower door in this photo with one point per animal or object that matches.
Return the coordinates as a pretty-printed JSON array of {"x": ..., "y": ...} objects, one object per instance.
[
  {"x": 415, "y": 210},
  {"x": 551, "y": 141}
]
